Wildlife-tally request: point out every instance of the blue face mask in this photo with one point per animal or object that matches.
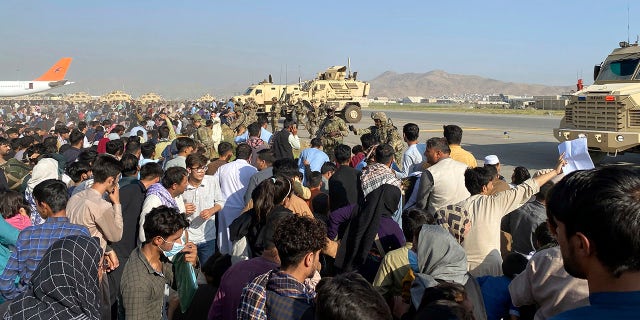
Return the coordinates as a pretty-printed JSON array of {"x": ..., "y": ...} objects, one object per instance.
[
  {"x": 177, "y": 247},
  {"x": 413, "y": 261}
]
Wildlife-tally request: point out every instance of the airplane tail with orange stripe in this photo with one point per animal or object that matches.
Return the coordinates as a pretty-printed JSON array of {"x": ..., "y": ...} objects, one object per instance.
[{"x": 57, "y": 72}]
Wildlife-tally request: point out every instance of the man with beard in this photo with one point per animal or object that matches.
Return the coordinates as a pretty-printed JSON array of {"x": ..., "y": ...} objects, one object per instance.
[{"x": 595, "y": 216}]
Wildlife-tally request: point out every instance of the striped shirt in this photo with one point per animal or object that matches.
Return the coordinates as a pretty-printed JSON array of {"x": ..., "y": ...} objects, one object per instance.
[{"x": 32, "y": 243}]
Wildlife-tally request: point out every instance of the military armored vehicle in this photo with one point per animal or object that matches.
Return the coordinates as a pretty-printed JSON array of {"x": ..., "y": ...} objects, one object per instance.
[
  {"x": 607, "y": 113},
  {"x": 333, "y": 88},
  {"x": 264, "y": 92}
]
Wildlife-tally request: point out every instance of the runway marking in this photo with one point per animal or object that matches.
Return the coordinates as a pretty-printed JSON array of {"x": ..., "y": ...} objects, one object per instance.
[
  {"x": 465, "y": 129},
  {"x": 488, "y": 129}
]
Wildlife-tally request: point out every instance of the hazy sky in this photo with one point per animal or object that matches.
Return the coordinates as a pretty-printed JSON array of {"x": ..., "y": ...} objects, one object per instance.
[{"x": 188, "y": 48}]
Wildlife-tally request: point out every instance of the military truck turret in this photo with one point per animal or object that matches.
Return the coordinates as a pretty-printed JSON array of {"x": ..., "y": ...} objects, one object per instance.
[
  {"x": 333, "y": 88},
  {"x": 607, "y": 113}
]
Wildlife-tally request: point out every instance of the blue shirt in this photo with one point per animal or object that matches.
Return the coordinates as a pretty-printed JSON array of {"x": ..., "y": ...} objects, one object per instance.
[
  {"x": 32, "y": 243},
  {"x": 316, "y": 158},
  {"x": 606, "y": 305},
  {"x": 495, "y": 293},
  {"x": 265, "y": 135}
]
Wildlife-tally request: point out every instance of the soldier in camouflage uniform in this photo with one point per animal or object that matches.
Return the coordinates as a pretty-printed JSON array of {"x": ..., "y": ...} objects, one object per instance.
[
  {"x": 274, "y": 114},
  {"x": 313, "y": 116},
  {"x": 385, "y": 132},
  {"x": 251, "y": 112},
  {"x": 332, "y": 132},
  {"x": 299, "y": 109}
]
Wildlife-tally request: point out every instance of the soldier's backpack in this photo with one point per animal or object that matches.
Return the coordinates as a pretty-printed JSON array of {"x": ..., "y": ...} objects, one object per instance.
[{"x": 15, "y": 172}]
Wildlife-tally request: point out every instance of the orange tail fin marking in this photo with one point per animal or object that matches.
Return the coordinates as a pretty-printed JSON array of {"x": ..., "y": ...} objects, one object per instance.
[{"x": 57, "y": 72}]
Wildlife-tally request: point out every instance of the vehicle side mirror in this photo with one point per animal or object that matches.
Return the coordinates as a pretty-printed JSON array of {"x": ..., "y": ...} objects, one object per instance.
[{"x": 596, "y": 72}]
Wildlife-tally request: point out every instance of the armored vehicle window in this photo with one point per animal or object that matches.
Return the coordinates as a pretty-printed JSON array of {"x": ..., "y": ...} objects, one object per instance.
[
  {"x": 258, "y": 91},
  {"x": 619, "y": 69},
  {"x": 248, "y": 92}
]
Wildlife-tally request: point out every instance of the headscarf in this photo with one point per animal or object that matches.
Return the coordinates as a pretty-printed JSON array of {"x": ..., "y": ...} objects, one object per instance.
[
  {"x": 47, "y": 168},
  {"x": 453, "y": 218},
  {"x": 363, "y": 226},
  {"x": 161, "y": 192},
  {"x": 440, "y": 257},
  {"x": 64, "y": 285}
]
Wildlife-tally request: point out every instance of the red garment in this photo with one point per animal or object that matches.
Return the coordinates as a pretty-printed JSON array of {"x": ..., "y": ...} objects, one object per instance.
[
  {"x": 356, "y": 159},
  {"x": 102, "y": 145}
]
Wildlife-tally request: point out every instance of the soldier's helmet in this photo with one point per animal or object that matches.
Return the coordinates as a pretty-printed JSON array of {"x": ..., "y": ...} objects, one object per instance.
[
  {"x": 330, "y": 108},
  {"x": 379, "y": 116}
]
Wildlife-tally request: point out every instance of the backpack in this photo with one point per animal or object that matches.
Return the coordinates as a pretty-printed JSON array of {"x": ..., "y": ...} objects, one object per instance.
[{"x": 15, "y": 171}]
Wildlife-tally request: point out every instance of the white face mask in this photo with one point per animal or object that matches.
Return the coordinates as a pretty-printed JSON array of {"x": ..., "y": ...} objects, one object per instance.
[{"x": 177, "y": 247}]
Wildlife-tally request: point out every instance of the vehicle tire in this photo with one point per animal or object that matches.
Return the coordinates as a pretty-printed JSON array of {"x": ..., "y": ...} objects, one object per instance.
[
  {"x": 352, "y": 113},
  {"x": 597, "y": 156}
]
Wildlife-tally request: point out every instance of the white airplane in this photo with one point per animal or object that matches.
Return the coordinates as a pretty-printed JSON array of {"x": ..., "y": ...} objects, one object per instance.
[{"x": 51, "y": 79}]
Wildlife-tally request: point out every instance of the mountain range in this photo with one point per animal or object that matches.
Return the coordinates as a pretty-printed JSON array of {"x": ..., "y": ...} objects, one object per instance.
[{"x": 440, "y": 83}]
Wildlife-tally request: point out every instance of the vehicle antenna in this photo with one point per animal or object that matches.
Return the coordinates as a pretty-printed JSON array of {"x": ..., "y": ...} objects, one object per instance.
[
  {"x": 627, "y": 22},
  {"x": 349, "y": 67}
]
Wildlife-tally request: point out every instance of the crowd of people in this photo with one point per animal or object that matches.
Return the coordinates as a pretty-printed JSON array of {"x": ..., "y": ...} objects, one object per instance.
[{"x": 130, "y": 212}]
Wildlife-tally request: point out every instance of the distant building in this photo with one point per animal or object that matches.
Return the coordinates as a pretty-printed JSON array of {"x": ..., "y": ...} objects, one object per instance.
[
  {"x": 550, "y": 102},
  {"x": 412, "y": 99},
  {"x": 381, "y": 99}
]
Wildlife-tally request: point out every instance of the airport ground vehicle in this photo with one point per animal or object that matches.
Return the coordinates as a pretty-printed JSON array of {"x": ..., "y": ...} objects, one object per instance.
[
  {"x": 264, "y": 92},
  {"x": 607, "y": 112}
]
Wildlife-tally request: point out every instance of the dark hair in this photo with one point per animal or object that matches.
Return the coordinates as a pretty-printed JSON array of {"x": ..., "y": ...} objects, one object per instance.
[
  {"x": 476, "y": 178},
  {"x": 452, "y": 133},
  {"x": 520, "y": 175},
  {"x": 449, "y": 291},
  {"x": 544, "y": 191},
  {"x": 196, "y": 159},
  {"x": 411, "y": 131},
  {"x": 412, "y": 221},
  {"x": 349, "y": 296},
  {"x": 262, "y": 120},
  {"x": 133, "y": 146},
  {"x": 26, "y": 141},
  {"x": 254, "y": 129},
  {"x": 172, "y": 176},
  {"x": 163, "y": 221},
  {"x": 60, "y": 129},
  {"x": 118, "y": 129},
  {"x": 444, "y": 310},
  {"x": 342, "y": 152},
  {"x": 288, "y": 123},
  {"x": 384, "y": 153},
  {"x": 297, "y": 236},
  {"x": 268, "y": 194},
  {"x": 368, "y": 140},
  {"x": 53, "y": 192},
  {"x": 328, "y": 167},
  {"x": 267, "y": 156},
  {"x": 243, "y": 151},
  {"x": 50, "y": 144},
  {"x": 104, "y": 167},
  {"x": 184, "y": 142},
  {"x": 438, "y": 143},
  {"x": 75, "y": 136},
  {"x": 147, "y": 149},
  {"x": 82, "y": 125},
  {"x": 357, "y": 149},
  {"x": 11, "y": 202},
  {"x": 129, "y": 165},
  {"x": 604, "y": 205},
  {"x": 314, "y": 179},
  {"x": 286, "y": 167},
  {"x": 316, "y": 143},
  {"x": 224, "y": 147},
  {"x": 115, "y": 147},
  {"x": 88, "y": 156},
  {"x": 543, "y": 236},
  {"x": 163, "y": 132},
  {"x": 320, "y": 204},
  {"x": 75, "y": 170},
  {"x": 151, "y": 170},
  {"x": 513, "y": 264}
]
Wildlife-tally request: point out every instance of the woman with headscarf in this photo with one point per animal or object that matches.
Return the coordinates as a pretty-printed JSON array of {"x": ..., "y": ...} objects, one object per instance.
[
  {"x": 371, "y": 233},
  {"x": 438, "y": 257},
  {"x": 65, "y": 284},
  {"x": 47, "y": 168}
]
